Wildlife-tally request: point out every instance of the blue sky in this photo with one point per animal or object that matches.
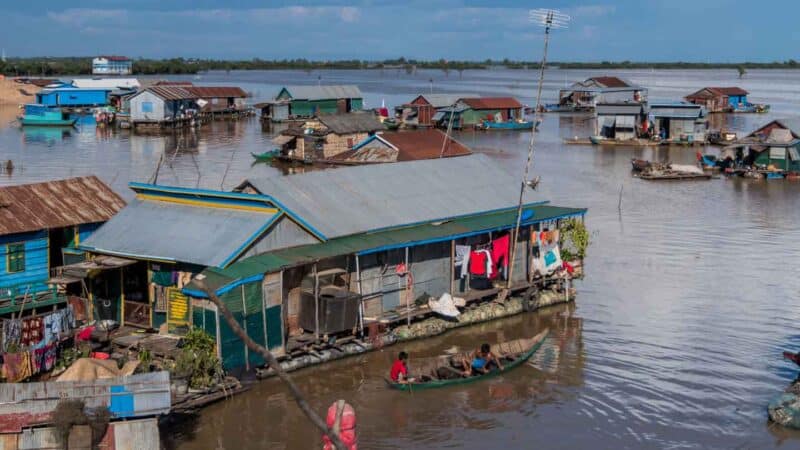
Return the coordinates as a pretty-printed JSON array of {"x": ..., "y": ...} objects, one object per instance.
[{"x": 652, "y": 30}]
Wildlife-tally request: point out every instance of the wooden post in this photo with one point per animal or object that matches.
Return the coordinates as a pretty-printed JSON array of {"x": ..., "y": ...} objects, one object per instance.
[
  {"x": 264, "y": 309},
  {"x": 244, "y": 325},
  {"x": 408, "y": 281},
  {"x": 360, "y": 297},
  {"x": 528, "y": 262},
  {"x": 316, "y": 303},
  {"x": 122, "y": 297},
  {"x": 452, "y": 266}
]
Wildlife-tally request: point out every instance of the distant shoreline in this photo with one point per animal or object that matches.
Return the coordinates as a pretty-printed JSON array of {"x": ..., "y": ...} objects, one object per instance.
[{"x": 48, "y": 67}]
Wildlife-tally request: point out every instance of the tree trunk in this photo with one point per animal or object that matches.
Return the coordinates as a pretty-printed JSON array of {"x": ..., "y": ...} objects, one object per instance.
[{"x": 272, "y": 362}]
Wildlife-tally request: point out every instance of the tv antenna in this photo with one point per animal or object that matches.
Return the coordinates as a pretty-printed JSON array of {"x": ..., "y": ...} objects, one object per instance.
[{"x": 549, "y": 19}]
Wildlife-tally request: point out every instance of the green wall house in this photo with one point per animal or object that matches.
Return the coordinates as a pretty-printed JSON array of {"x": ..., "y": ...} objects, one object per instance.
[
  {"x": 41, "y": 225},
  {"x": 309, "y": 101}
]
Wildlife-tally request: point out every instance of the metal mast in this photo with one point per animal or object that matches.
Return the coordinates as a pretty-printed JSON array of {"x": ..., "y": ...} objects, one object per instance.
[{"x": 549, "y": 19}]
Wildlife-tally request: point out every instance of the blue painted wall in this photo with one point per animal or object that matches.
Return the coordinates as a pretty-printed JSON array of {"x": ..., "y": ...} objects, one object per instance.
[
  {"x": 73, "y": 97},
  {"x": 734, "y": 100},
  {"x": 36, "y": 270},
  {"x": 86, "y": 230}
]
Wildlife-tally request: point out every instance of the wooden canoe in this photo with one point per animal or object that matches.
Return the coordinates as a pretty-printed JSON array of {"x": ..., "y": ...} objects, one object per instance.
[{"x": 512, "y": 354}]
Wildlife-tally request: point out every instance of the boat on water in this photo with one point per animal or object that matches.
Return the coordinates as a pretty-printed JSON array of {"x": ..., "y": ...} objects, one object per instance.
[
  {"x": 639, "y": 165},
  {"x": 269, "y": 155},
  {"x": 508, "y": 125},
  {"x": 445, "y": 370},
  {"x": 391, "y": 124},
  {"x": 41, "y": 115},
  {"x": 721, "y": 137}
]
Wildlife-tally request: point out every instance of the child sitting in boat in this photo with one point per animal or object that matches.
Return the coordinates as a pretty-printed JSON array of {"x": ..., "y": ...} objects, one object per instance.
[
  {"x": 482, "y": 361},
  {"x": 399, "y": 371}
]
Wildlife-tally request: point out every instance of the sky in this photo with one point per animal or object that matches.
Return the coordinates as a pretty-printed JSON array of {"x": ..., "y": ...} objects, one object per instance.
[{"x": 643, "y": 30}]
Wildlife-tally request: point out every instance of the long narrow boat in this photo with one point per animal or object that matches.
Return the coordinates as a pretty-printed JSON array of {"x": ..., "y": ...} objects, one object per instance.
[
  {"x": 426, "y": 370},
  {"x": 41, "y": 115},
  {"x": 266, "y": 156},
  {"x": 509, "y": 125}
]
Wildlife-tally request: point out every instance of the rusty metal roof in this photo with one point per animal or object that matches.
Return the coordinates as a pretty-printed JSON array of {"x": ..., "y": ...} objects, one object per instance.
[
  {"x": 355, "y": 122},
  {"x": 172, "y": 92},
  {"x": 55, "y": 204},
  {"x": 423, "y": 144},
  {"x": 492, "y": 103},
  {"x": 611, "y": 82},
  {"x": 216, "y": 91},
  {"x": 711, "y": 91}
]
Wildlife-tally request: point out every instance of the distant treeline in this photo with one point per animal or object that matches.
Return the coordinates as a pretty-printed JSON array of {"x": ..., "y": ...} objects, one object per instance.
[{"x": 45, "y": 66}]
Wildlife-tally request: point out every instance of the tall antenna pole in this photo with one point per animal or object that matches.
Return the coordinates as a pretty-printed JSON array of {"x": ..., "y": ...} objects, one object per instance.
[{"x": 549, "y": 19}]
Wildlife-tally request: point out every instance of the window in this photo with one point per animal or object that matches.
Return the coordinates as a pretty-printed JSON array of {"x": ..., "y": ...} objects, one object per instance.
[
  {"x": 16, "y": 258},
  {"x": 349, "y": 142},
  {"x": 147, "y": 107}
]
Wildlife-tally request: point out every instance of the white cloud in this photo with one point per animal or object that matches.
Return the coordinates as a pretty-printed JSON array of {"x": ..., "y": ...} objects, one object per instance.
[{"x": 83, "y": 16}]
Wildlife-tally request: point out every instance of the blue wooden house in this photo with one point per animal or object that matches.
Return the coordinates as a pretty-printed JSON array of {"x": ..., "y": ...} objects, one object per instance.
[
  {"x": 41, "y": 225},
  {"x": 73, "y": 97}
]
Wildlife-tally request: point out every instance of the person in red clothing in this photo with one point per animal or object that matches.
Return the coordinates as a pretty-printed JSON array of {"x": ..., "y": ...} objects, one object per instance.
[{"x": 399, "y": 372}]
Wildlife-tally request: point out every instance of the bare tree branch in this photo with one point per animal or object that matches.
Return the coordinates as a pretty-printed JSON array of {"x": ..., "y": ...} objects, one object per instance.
[{"x": 272, "y": 362}]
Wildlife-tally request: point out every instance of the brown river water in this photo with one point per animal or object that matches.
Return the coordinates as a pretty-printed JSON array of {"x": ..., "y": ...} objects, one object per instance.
[{"x": 690, "y": 295}]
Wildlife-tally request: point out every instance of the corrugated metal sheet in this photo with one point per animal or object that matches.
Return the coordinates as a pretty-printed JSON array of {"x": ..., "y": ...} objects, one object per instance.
[
  {"x": 172, "y": 231},
  {"x": 611, "y": 82},
  {"x": 216, "y": 91},
  {"x": 493, "y": 103},
  {"x": 358, "y": 122},
  {"x": 676, "y": 110},
  {"x": 24, "y": 404},
  {"x": 357, "y": 199},
  {"x": 136, "y": 435},
  {"x": 615, "y": 109},
  {"x": 424, "y": 144},
  {"x": 55, "y": 204},
  {"x": 106, "y": 83},
  {"x": 172, "y": 92},
  {"x": 330, "y": 92},
  {"x": 444, "y": 100}
]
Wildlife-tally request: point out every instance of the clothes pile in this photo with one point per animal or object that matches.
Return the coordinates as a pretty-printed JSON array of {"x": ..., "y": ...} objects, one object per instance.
[{"x": 30, "y": 345}]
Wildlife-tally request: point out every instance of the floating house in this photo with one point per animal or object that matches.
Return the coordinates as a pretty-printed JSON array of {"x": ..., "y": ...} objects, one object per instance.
[
  {"x": 41, "y": 226},
  {"x": 678, "y": 122},
  {"x": 112, "y": 65},
  {"x": 471, "y": 112},
  {"x": 384, "y": 235},
  {"x": 620, "y": 121},
  {"x": 421, "y": 110},
  {"x": 772, "y": 150},
  {"x": 326, "y": 136},
  {"x": 718, "y": 99},
  {"x": 71, "y": 97},
  {"x": 163, "y": 106},
  {"x": 398, "y": 146},
  {"x": 164, "y": 237},
  {"x": 219, "y": 99},
  {"x": 585, "y": 95},
  {"x": 309, "y": 101}
]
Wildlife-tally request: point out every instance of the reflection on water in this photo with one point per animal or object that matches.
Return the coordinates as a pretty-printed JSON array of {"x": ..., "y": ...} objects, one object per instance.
[{"x": 689, "y": 297}]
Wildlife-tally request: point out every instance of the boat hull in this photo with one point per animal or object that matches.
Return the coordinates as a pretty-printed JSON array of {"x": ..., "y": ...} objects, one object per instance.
[
  {"x": 433, "y": 384},
  {"x": 48, "y": 123},
  {"x": 527, "y": 125}
]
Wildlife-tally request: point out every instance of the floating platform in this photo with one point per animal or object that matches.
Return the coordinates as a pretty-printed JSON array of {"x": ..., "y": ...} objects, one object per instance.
[{"x": 676, "y": 176}]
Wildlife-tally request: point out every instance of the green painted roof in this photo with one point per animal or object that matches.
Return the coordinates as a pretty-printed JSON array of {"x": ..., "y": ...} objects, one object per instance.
[{"x": 220, "y": 280}]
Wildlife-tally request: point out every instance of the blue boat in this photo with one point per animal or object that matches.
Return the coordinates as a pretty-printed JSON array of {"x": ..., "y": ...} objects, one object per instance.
[
  {"x": 41, "y": 115},
  {"x": 509, "y": 125}
]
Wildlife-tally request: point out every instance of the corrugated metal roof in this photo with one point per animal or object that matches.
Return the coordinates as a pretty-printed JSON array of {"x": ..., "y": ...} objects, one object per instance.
[
  {"x": 444, "y": 100},
  {"x": 56, "y": 204},
  {"x": 107, "y": 83},
  {"x": 423, "y": 144},
  {"x": 155, "y": 229},
  {"x": 353, "y": 200},
  {"x": 216, "y": 91},
  {"x": 492, "y": 103},
  {"x": 171, "y": 92},
  {"x": 217, "y": 279},
  {"x": 358, "y": 122},
  {"x": 606, "y": 109},
  {"x": 708, "y": 92},
  {"x": 329, "y": 92},
  {"x": 611, "y": 82},
  {"x": 676, "y": 110}
]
